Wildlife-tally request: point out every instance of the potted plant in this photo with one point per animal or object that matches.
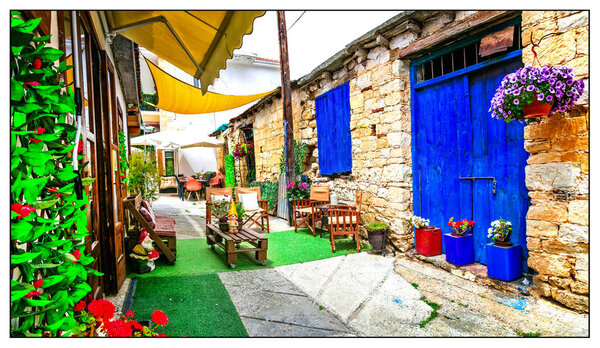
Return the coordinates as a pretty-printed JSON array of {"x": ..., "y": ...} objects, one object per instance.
[
  {"x": 503, "y": 258},
  {"x": 240, "y": 212},
  {"x": 377, "y": 235},
  {"x": 428, "y": 239},
  {"x": 536, "y": 92},
  {"x": 459, "y": 245},
  {"x": 219, "y": 211},
  {"x": 297, "y": 190}
]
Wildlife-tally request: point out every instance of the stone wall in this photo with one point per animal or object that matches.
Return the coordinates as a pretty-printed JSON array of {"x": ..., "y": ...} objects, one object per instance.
[
  {"x": 380, "y": 124},
  {"x": 557, "y": 172}
]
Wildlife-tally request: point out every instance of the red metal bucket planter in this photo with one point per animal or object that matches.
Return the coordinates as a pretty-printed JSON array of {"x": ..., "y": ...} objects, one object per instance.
[{"x": 428, "y": 241}]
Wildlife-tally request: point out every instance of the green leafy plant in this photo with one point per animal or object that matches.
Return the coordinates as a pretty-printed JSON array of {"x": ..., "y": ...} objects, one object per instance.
[
  {"x": 148, "y": 102},
  {"x": 229, "y": 171},
  {"x": 377, "y": 226},
  {"x": 269, "y": 191},
  {"x": 297, "y": 190},
  {"x": 240, "y": 209},
  {"x": 123, "y": 157},
  {"x": 300, "y": 154},
  {"x": 48, "y": 220},
  {"x": 528, "y": 334},
  {"x": 143, "y": 176}
]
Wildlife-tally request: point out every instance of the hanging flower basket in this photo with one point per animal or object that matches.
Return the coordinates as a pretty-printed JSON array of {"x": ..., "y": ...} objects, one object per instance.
[
  {"x": 536, "y": 92},
  {"x": 241, "y": 150}
]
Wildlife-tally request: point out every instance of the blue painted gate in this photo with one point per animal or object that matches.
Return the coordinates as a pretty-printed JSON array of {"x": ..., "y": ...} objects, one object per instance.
[{"x": 454, "y": 139}]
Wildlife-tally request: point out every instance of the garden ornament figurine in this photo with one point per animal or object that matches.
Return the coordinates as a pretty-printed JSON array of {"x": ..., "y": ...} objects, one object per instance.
[
  {"x": 232, "y": 218},
  {"x": 144, "y": 253}
]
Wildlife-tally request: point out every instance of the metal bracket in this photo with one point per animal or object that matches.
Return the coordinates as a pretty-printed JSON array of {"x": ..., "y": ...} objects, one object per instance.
[{"x": 473, "y": 178}]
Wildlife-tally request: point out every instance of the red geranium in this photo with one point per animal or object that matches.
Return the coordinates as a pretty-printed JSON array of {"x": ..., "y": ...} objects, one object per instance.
[
  {"x": 79, "y": 306},
  {"x": 160, "y": 317},
  {"x": 22, "y": 210},
  {"x": 130, "y": 314},
  {"x": 80, "y": 147},
  {"x": 40, "y": 130},
  {"x": 118, "y": 328},
  {"x": 102, "y": 309},
  {"x": 38, "y": 283},
  {"x": 461, "y": 227},
  {"x": 34, "y": 140}
]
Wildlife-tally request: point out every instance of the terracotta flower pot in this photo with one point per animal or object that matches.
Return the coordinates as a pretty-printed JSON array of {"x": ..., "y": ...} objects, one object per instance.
[{"x": 536, "y": 109}]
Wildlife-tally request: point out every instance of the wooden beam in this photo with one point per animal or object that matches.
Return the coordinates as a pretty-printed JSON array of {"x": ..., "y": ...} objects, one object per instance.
[
  {"x": 286, "y": 98},
  {"x": 454, "y": 30}
]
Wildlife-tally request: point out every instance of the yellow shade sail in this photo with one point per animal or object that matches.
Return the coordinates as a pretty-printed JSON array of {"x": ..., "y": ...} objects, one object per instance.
[
  {"x": 197, "y": 42},
  {"x": 177, "y": 96}
]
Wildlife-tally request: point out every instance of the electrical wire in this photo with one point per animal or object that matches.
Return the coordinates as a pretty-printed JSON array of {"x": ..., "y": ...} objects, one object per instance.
[{"x": 296, "y": 21}]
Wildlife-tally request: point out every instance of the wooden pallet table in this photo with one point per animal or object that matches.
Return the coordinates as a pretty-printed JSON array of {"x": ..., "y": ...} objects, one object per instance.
[{"x": 231, "y": 243}]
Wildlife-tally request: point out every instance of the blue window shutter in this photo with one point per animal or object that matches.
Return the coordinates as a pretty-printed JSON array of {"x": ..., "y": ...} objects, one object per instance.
[{"x": 333, "y": 131}]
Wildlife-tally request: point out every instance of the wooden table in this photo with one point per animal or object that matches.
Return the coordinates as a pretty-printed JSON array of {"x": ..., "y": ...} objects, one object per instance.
[{"x": 230, "y": 243}]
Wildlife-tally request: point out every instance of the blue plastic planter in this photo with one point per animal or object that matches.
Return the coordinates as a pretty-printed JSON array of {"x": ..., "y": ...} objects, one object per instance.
[
  {"x": 459, "y": 250},
  {"x": 503, "y": 263}
]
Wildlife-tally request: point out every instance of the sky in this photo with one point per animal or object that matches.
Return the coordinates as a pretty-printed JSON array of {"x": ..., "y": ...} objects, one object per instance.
[{"x": 315, "y": 37}]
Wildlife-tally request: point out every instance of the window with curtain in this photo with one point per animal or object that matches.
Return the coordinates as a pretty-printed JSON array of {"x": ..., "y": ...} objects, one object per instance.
[{"x": 333, "y": 131}]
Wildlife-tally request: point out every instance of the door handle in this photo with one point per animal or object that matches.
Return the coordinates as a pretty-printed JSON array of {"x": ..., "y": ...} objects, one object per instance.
[{"x": 473, "y": 178}]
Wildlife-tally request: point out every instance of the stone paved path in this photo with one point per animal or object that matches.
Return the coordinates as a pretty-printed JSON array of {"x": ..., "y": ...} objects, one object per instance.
[{"x": 370, "y": 295}]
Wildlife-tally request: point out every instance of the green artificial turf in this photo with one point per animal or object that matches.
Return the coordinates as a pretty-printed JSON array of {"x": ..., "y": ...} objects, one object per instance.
[
  {"x": 197, "y": 306},
  {"x": 194, "y": 256}
]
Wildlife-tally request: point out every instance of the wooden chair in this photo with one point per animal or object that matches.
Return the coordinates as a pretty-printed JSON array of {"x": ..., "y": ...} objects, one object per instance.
[
  {"x": 304, "y": 210},
  {"x": 343, "y": 220},
  {"x": 217, "y": 191},
  {"x": 164, "y": 229},
  {"x": 193, "y": 186},
  {"x": 255, "y": 217}
]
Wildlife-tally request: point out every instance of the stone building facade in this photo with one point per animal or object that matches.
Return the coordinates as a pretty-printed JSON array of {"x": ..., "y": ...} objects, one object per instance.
[{"x": 377, "y": 67}]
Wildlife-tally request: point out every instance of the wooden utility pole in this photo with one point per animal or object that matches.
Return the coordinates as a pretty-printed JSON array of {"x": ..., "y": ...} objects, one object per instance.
[{"x": 286, "y": 98}]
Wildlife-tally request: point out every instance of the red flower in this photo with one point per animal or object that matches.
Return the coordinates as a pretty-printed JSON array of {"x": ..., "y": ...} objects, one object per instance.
[
  {"x": 33, "y": 293},
  {"x": 102, "y": 309},
  {"x": 34, "y": 140},
  {"x": 118, "y": 328},
  {"x": 136, "y": 325},
  {"x": 77, "y": 255},
  {"x": 160, "y": 317},
  {"x": 160, "y": 335},
  {"x": 471, "y": 222},
  {"x": 80, "y": 147},
  {"x": 130, "y": 314},
  {"x": 79, "y": 306},
  {"x": 38, "y": 283},
  {"x": 22, "y": 210},
  {"x": 37, "y": 64},
  {"x": 40, "y": 130}
]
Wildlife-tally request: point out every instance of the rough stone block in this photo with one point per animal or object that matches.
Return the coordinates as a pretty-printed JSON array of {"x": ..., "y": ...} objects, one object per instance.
[
  {"x": 574, "y": 233},
  {"x": 574, "y": 301},
  {"x": 552, "y": 212},
  {"x": 579, "y": 211},
  {"x": 573, "y": 21},
  {"x": 554, "y": 265},
  {"x": 580, "y": 288},
  {"x": 403, "y": 40}
]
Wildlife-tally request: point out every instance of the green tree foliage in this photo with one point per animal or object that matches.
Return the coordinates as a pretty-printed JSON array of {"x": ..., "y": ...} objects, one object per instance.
[
  {"x": 143, "y": 175},
  {"x": 48, "y": 222}
]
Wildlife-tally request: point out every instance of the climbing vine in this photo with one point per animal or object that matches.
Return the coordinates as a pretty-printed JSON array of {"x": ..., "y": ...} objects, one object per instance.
[
  {"x": 123, "y": 157},
  {"x": 229, "y": 171},
  {"x": 48, "y": 219}
]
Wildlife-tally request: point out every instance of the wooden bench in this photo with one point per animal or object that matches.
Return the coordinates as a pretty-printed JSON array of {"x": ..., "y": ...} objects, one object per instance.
[
  {"x": 230, "y": 243},
  {"x": 163, "y": 232}
]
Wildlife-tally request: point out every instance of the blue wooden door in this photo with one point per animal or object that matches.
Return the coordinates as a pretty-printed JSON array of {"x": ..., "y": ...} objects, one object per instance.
[{"x": 467, "y": 164}]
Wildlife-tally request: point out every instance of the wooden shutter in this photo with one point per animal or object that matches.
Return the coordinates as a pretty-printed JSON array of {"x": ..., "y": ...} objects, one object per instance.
[{"x": 333, "y": 131}]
